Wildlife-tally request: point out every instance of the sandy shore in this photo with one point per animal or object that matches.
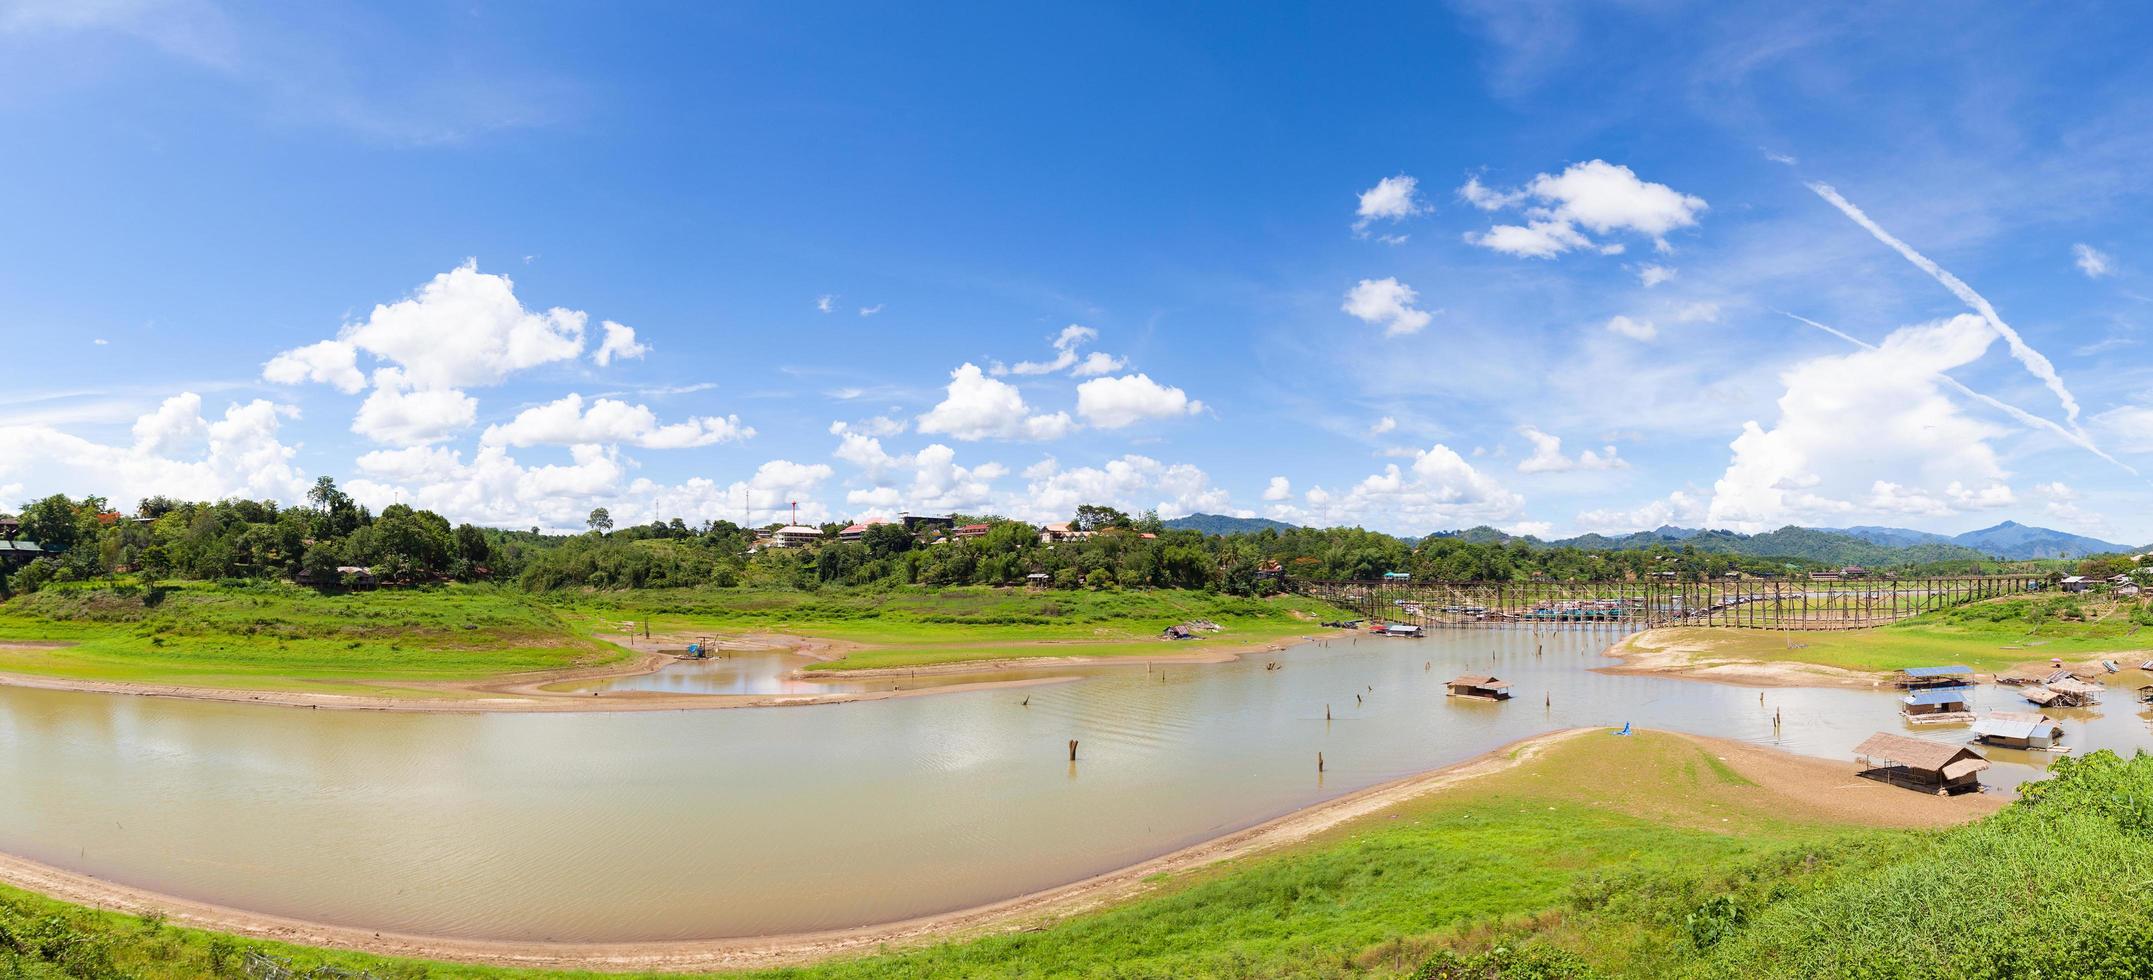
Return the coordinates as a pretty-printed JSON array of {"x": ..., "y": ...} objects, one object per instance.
[
  {"x": 1668, "y": 654},
  {"x": 1024, "y": 912},
  {"x": 545, "y": 691}
]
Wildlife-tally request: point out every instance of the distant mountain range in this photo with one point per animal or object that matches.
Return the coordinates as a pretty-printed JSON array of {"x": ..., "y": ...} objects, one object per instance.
[{"x": 1866, "y": 544}]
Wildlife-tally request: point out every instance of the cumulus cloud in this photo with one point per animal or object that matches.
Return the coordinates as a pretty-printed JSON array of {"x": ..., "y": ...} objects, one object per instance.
[
  {"x": 1633, "y": 329},
  {"x": 1653, "y": 275},
  {"x": 1131, "y": 482},
  {"x": 2092, "y": 261},
  {"x": 1280, "y": 488},
  {"x": 1595, "y": 196},
  {"x": 399, "y": 415},
  {"x": 1679, "y": 508},
  {"x": 175, "y": 451},
  {"x": 1388, "y": 303},
  {"x": 493, "y": 488},
  {"x": 1439, "y": 489},
  {"x": 1383, "y": 425},
  {"x": 1114, "y": 403},
  {"x": 937, "y": 482},
  {"x": 1392, "y": 199},
  {"x": 1067, "y": 345},
  {"x": 1547, "y": 455},
  {"x": 568, "y": 421},
  {"x": 976, "y": 407},
  {"x": 619, "y": 342},
  {"x": 330, "y": 362},
  {"x": 1917, "y": 452}
]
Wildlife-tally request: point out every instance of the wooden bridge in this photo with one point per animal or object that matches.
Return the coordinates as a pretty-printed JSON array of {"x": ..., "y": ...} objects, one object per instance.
[{"x": 1777, "y": 604}]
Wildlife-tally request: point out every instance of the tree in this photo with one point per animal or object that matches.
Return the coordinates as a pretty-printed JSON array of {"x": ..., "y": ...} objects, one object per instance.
[
  {"x": 324, "y": 494},
  {"x": 600, "y": 520},
  {"x": 1099, "y": 517}
]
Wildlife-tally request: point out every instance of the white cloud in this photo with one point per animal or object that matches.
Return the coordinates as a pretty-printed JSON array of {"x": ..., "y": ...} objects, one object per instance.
[
  {"x": 2035, "y": 362},
  {"x": 1653, "y": 275},
  {"x": 1679, "y": 508},
  {"x": 879, "y": 425},
  {"x": 976, "y": 407},
  {"x": 1633, "y": 329},
  {"x": 1547, "y": 455},
  {"x": 1280, "y": 488},
  {"x": 871, "y": 310},
  {"x": 1389, "y": 303},
  {"x": 1066, "y": 346},
  {"x": 175, "y": 451},
  {"x": 567, "y": 421},
  {"x": 826, "y": 303},
  {"x": 1439, "y": 490},
  {"x": 1595, "y": 195},
  {"x": 331, "y": 362},
  {"x": 1130, "y": 482},
  {"x": 2131, "y": 426},
  {"x": 2092, "y": 261},
  {"x": 399, "y": 415},
  {"x": 465, "y": 328},
  {"x": 1383, "y": 425},
  {"x": 1113, "y": 403},
  {"x": 1480, "y": 196},
  {"x": 938, "y": 483},
  {"x": 1805, "y": 468},
  {"x": 1697, "y": 312},
  {"x": 1391, "y": 199},
  {"x": 619, "y": 342}
]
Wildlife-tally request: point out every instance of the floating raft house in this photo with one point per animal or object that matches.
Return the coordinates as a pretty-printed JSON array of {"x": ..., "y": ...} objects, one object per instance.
[
  {"x": 1479, "y": 686},
  {"x": 2018, "y": 730},
  {"x": 1938, "y": 706},
  {"x": 1918, "y": 763},
  {"x": 1917, "y": 678}
]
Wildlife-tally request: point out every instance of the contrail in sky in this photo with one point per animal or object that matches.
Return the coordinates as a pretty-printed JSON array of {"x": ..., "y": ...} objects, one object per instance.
[
  {"x": 2007, "y": 408},
  {"x": 2026, "y": 355}
]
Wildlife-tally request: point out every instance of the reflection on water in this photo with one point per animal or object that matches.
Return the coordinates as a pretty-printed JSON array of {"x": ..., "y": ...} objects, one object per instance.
[{"x": 698, "y": 824}]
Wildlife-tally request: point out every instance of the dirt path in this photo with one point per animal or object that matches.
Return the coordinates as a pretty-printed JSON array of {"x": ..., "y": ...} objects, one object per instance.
[{"x": 1669, "y": 654}]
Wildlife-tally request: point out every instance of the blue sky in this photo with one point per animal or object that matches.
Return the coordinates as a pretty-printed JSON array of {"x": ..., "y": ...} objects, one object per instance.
[{"x": 1417, "y": 267}]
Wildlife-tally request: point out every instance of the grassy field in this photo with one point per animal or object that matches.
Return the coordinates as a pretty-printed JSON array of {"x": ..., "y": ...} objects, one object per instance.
[
  {"x": 917, "y": 626},
  {"x": 282, "y": 637},
  {"x": 1987, "y": 636},
  {"x": 382, "y": 643}
]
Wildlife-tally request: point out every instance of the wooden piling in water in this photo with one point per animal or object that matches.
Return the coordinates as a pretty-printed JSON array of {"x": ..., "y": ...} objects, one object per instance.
[
  {"x": 1072, "y": 749},
  {"x": 1319, "y": 762}
]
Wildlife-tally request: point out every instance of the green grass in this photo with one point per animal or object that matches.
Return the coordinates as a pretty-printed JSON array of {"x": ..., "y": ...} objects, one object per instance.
[
  {"x": 1987, "y": 636},
  {"x": 906, "y": 627},
  {"x": 282, "y": 637}
]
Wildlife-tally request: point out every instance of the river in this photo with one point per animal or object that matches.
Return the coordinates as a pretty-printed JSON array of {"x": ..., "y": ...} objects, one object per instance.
[{"x": 631, "y": 826}]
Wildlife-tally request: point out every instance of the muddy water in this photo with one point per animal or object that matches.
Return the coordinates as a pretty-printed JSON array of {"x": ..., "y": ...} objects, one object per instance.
[{"x": 706, "y": 824}]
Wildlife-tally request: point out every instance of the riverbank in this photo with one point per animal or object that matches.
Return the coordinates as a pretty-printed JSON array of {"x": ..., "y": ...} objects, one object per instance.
[
  {"x": 1713, "y": 797},
  {"x": 1854, "y": 658}
]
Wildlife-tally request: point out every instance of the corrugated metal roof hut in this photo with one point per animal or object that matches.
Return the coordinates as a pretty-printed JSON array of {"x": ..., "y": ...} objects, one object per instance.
[
  {"x": 2074, "y": 693},
  {"x": 2023, "y": 675},
  {"x": 2018, "y": 730},
  {"x": 1937, "y": 706},
  {"x": 1915, "y": 678},
  {"x": 1479, "y": 686},
  {"x": 1918, "y": 763}
]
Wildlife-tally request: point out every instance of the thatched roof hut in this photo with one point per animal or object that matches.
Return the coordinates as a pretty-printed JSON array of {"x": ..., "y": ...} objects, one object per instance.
[{"x": 1902, "y": 760}]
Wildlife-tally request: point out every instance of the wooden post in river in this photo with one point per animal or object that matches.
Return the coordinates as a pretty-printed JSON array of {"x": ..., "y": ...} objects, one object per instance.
[
  {"x": 1319, "y": 762},
  {"x": 1072, "y": 750}
]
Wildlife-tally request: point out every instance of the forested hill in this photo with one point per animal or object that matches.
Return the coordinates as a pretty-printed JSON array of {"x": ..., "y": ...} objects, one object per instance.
[
  {"x": 1222, "y": 525},
  {"x": 1800, "y": 543}
]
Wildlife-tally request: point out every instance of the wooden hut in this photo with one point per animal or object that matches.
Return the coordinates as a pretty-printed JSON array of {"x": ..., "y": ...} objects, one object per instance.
[
  {"x": 1479, "y": 686},
  {"x": 1918, "y": 763},
  {"x": 2066, "y": 693},
  {"x": 2145, "y": 693},
  {"x": 2030, "y": 730},
  {"x": 1922, "y": 678},
  {"x": 2023, "y": 675},
  {"x": 1937, "y": 706}
]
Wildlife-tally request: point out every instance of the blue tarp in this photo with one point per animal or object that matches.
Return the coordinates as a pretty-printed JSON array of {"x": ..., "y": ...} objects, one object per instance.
[{"x": 1937, "y": 671}]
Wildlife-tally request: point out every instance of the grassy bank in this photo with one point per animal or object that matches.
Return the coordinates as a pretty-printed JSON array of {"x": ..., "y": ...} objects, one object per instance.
[
  {"x": 283, "y": 637},
  {"x": 1647, "y": 856},
  {"x": 910, "y": 626},
  {"x": 1987, "y": 636}
]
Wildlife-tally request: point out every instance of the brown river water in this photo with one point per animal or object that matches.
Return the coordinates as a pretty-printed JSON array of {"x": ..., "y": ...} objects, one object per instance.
[{"x": 753, "y": 821}]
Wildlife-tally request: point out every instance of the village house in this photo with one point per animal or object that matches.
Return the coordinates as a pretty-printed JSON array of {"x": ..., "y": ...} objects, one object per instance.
[
  {"x": 1920, "y": 678},
  {"x": 2076, "y": 583},
  {"x": 1061, "y": 531},
  {"x": 854, "y": 532},
  {"x": 973, "y": 531},
  {"x": 1918, "y": 763}
]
